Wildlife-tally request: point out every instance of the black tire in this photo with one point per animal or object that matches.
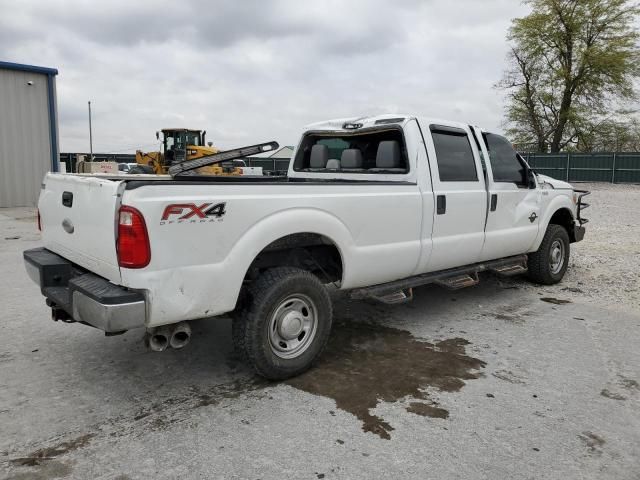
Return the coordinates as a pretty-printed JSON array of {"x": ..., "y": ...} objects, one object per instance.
[
  {"x": 252, "y": 328},
  {"x": 540, "y": 265},
  {"x": 238, "y": 333}
]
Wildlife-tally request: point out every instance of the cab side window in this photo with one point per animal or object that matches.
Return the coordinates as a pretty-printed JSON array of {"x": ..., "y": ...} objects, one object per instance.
[
  {"x": 454, "y": 155},
  {"x": 505, "y": 163}
]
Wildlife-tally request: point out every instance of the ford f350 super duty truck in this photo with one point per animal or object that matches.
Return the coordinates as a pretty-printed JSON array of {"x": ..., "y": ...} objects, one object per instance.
[{"x": 374, "y": 206}]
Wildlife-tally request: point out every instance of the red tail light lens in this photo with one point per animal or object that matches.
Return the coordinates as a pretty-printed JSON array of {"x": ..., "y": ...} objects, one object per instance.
[
  {"x": 133, "y": 240},
  {"x": 39, "y": 222}
]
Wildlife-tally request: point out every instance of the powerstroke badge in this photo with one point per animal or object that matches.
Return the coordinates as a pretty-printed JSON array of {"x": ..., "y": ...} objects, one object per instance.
[{"x": 193, "y": 213}]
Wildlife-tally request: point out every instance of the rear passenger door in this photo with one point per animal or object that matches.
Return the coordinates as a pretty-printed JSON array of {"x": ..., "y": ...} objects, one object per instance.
[
  {"x": 514, "y": 205},
  {"x": 460, "y": 196}
]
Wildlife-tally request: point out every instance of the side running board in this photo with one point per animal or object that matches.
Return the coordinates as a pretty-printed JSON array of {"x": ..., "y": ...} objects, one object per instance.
[
  {"x": 401, "y": 296},
  {"x": 399, "y": 291},
  {"x": 459, "y": 281}
]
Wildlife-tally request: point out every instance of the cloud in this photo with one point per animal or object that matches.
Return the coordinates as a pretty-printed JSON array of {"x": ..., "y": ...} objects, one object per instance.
[{"x": 258, "y": 70}]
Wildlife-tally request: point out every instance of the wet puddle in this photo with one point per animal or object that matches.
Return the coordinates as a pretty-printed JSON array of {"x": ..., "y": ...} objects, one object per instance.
[
  {"x": 46, "y": 454},
  {"x": 365, "y": 364}
]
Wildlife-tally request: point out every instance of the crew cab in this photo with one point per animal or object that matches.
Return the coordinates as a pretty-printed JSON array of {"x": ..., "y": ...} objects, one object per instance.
[{"x": 374, "y": 206}]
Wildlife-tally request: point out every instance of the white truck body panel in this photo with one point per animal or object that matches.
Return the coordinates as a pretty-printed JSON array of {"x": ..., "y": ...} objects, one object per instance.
[
  {"x": 92, "y": 217},
  {"x": 509, "y": 231},
  {"x": 204, "y": 263},
  {"x": 554, "y": 195},
  {"x": 458, "y": 235},
  {"x": 385, "y": 226}
]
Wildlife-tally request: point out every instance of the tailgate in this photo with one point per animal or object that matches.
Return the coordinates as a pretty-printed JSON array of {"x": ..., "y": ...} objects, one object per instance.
[{"x": 78, "y": 218}]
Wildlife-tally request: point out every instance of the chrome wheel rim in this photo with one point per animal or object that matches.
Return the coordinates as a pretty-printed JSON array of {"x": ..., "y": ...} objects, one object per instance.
[
  {"x": 292, "y": 326},
  {"x": 556, "y": 256}
]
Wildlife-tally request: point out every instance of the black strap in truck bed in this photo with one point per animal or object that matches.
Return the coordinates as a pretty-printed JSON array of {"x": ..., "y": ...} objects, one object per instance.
[{"x": 189, "y": 165}]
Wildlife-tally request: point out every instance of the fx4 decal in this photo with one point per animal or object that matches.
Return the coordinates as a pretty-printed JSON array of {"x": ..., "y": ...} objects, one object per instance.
[{"x": 193, "y": 213}]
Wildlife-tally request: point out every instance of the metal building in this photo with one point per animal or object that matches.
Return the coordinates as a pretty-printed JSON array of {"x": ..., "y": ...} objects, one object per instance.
[{"x": 28, "y": 131}]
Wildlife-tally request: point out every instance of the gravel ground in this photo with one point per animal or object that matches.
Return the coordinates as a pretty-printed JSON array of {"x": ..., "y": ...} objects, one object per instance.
[
  {"x": 502, "y": 380},
  {"x": 605, "y": 267}
]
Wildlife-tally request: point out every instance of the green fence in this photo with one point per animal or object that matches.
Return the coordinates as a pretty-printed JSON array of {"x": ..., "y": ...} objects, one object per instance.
[
  {"x": 572, "y": 167},
  {"x": 587, "y": 167}
]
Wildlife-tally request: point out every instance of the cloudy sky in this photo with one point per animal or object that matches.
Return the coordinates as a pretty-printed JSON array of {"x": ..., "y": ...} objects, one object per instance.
[{"x": 250, "y": 71}]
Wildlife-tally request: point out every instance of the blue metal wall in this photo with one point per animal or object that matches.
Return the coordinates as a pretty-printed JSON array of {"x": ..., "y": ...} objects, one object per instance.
[{"x": 28, "y": 131}]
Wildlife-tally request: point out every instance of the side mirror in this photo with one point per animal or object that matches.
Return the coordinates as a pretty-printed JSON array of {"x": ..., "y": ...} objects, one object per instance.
[{"x": 157, "y": 135}]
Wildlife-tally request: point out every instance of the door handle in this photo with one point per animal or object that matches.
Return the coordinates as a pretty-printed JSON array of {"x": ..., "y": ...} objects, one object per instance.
[
  {"x": 67, "y": 199},
  {"x": 441, "y": 204},
  {"x": 494, "y": 202}
]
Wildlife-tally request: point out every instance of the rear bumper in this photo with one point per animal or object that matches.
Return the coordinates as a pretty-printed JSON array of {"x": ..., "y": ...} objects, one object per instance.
[{"x": 83, "y": 296}]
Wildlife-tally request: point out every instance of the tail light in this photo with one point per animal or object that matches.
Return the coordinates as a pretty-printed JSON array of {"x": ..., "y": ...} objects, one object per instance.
[
  {"x": 133, "y": 240},
  {"x": 39, "y": 222}
]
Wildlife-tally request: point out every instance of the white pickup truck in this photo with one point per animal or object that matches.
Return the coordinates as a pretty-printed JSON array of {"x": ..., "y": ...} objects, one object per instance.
[{"x": 374, "y": 206}]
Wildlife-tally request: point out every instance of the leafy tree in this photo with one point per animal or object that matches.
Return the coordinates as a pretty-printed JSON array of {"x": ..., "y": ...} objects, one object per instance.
[{"x": 571, "y": 62}]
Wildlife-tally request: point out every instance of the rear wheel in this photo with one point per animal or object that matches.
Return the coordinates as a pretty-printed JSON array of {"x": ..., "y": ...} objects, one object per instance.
[
  {"x": 284, "y": 324},
  {"x": 549, "y": 264}
]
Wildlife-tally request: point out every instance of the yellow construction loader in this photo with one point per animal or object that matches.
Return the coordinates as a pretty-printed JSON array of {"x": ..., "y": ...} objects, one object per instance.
[{"x": 179, "y": 145}]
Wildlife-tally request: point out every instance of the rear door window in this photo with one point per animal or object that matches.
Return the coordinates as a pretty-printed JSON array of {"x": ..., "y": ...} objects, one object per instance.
[{"x": 454, "y": 156}]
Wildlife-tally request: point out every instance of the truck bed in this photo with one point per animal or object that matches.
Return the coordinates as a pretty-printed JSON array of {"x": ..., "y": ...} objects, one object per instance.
[
  {"x": 149, "y": 178},
  {"x": 139, "y": 180}
]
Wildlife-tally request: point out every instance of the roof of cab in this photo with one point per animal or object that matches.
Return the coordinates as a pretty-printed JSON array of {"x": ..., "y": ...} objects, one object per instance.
[{"x": 377, "y": 121}]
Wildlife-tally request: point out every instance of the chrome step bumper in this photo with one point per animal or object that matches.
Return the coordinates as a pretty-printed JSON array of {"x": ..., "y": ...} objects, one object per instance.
[{"x": 76, "y": 295}]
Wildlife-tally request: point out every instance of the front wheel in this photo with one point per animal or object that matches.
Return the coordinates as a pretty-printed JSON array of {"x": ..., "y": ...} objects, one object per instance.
[
  {"x": 285, "y": 323},
  {"x": 549, "y": 264}
]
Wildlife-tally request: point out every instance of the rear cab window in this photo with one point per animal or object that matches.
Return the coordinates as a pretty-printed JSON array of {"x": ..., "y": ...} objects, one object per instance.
[{"x": 367, "y": 151}]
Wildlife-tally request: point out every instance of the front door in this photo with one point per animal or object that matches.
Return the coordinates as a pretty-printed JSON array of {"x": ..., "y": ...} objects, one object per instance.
[
  {"x": 514, "y": 203},
  {"x": 460, "y": 195}
]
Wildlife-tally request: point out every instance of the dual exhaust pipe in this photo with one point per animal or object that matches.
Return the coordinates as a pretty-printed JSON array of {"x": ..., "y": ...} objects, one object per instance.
[{"x": 174, "y": 336}]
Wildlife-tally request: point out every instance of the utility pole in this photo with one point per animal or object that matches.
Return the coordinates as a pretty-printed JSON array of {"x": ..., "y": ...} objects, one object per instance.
[{"x": 90, "y": 136}]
